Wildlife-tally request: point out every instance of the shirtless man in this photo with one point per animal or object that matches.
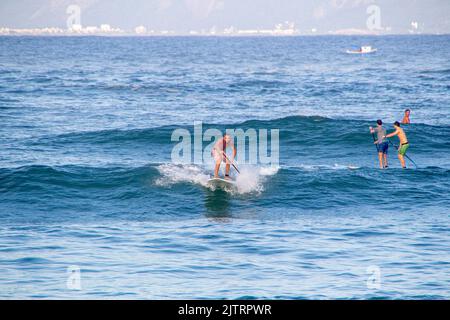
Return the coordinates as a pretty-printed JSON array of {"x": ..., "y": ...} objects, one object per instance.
[
  {"x": 404, "y": 145},
  {"x": 406, "y": 117},
  {"x": 219, "y": 154}
]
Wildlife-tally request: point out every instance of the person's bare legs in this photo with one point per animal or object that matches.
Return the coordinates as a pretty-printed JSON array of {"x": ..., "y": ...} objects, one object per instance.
[
  {"x": 385, "y": 161},
  {"x": 380, "y": 157},
  {"x": 216, "y": 169},
  {"x": 402, "y": 160},
  {"x": 227, "y": 171}
]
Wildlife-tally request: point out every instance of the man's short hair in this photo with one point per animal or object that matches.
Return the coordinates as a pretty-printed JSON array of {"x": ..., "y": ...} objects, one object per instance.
[
  {"x": 396, "y": 123},
  {"x": 379, "y": 122}
]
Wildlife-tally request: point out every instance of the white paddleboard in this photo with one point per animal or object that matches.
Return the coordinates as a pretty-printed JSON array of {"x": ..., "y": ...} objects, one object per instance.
[{"x": 222, "y": 183}]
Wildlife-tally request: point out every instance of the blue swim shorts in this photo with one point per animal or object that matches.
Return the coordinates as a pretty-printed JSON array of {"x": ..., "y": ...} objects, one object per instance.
[{"x": 383, "y": 147}]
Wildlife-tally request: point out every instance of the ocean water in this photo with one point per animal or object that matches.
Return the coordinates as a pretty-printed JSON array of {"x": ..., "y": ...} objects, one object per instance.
[{"x": 87, "y": 182}]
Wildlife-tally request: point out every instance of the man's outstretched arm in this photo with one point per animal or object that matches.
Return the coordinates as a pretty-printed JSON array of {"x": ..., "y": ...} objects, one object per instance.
[{"x": 392, "y": 134}]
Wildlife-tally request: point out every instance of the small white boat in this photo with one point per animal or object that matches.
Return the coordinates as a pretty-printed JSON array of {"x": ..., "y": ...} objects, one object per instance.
[{"x": 362, "y": 50}]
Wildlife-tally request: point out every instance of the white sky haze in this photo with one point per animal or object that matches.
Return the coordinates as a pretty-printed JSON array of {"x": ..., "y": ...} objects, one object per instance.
[{"x": 433, "y": 16}]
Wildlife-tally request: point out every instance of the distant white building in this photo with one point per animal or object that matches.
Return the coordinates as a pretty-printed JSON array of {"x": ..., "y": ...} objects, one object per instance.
[
  {"x": 140, "y": 30},
  {"x": 286, "y": 29},
  {"x": 281, "y": 29},
  {"x": 52, "y": 31},
  {"x": 266, "y": 32},
  {"x": 251, "y": 31},
  {"x": 91, "y": 30},
  {"x": 105, "y": 28},
  {"x": 76, "y": 28},
  {"x": 414, "y": 27},
  {"x": 229, "y": 31}
]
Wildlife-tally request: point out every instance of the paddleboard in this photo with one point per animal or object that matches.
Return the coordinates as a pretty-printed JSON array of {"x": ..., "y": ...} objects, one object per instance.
[{"x": 222, "y": 183}]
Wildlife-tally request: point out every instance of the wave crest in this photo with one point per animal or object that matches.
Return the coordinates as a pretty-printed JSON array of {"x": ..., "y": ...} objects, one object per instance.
[{"x": 250, "y": 180}]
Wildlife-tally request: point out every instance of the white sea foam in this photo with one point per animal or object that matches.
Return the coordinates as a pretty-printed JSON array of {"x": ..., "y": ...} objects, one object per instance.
[
  {"x": 250, "y": 180},
  {"x": 173, "y": 174}
]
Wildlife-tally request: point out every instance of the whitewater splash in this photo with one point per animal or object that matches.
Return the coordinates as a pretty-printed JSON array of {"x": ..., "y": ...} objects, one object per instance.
[
  {"x": 173, "y": 174},
  {"x": 250, "y": 180}
]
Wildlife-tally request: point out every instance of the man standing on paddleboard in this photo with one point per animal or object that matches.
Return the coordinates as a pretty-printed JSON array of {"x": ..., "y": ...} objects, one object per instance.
[
  {"x": 381, "y": 142},
  {"x": 404, "y": 144},
  {"x": 219, "y": 154}
]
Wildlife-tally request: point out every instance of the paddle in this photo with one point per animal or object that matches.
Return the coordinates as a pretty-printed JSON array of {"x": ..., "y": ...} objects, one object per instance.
[
  {"x": 231, "y": 162},
  {"x": 396, "y": 147}
]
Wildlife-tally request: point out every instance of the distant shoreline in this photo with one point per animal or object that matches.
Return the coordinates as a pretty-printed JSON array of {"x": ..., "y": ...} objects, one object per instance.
[{"x": 215, "y": 36}]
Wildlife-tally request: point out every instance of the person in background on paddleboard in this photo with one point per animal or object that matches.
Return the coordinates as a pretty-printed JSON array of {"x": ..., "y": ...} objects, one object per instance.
[
  {"x": 381, "y": 142},
  {"x": 404, "y": 144},
  {"x": 219, "y": 154},
  {"x": 406, "y": 117}
]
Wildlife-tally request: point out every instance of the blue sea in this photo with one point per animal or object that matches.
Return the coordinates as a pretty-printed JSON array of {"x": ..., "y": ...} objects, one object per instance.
[{"x": 93, "y": 207}]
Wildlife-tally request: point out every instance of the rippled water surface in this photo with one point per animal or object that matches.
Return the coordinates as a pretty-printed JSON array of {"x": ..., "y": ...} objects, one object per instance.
[{"x": 87, "y": 181}]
